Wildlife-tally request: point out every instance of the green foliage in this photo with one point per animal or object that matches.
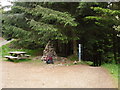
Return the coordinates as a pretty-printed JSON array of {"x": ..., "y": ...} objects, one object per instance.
[
  {"x": 82, "y": 63},
  {"x": 113, "y": 69},
  {"x": 49, "y": 14},
  {"x": 94, "y": 18},
  {"x": 73, "y": 58},
  {"x": 109, "y": 58},
  {"x": 104, "y": 38},
  {"x": 39, "y": 25},
  {"x": 32, "y": 52},
  {"x": 1, "y": 11},
  {"x": 46, "y": 31},
  {"x": 90, "y": 24},
  {"x": 104, "y": 16},
  {"x": 15, "y": 32},
  {"x": 117, "y": 28},
  {"x": 105, "y": 11}
]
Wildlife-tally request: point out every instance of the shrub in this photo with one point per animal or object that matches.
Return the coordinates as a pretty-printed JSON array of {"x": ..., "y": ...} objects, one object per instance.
[
  {"x": 109, "y": 58},
  {"x": 73, "y": 58}
]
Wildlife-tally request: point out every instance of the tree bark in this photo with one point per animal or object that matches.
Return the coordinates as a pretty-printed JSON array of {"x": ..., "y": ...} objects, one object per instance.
[
  {"x": 115, "y": 47},
  {"x": 74, "y": 47}
]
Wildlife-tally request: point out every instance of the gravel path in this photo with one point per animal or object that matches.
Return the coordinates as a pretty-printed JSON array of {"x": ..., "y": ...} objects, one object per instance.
[{"x": 24, "y": 75}]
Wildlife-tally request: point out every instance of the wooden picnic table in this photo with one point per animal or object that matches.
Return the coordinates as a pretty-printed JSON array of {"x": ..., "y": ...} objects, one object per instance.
[{"x": 17, "y": 53}]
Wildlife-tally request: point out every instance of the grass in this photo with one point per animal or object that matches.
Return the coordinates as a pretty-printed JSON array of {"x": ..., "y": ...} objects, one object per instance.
[
  {"x": 82, "y": 62},
  {"x": 29, "y": 61},
  {"x": 32, "y": 52},
  {"x": 73, "y": 58},
  {"x": 113, "y": 69},
  {"x": 17, "y": 61},
  {"x": 86, "y": 62}
]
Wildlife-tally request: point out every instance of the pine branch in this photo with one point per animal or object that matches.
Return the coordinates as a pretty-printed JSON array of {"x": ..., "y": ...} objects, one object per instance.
[
  {"x": 49, "y": 14},
  {"x": 16, "y": 32}
]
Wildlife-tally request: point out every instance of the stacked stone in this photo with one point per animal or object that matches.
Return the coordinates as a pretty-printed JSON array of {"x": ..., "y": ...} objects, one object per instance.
[{"x": 49, "y": 51}]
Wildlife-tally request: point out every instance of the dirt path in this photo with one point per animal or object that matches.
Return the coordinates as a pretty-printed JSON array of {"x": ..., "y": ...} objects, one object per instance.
[
  {"x": 24, "y": 75},
  {"x": 3, "y": 41}
]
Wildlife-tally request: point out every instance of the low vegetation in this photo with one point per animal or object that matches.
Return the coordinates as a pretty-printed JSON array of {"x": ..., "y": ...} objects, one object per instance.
[
  {"x": 113, "y": 69},
  {"x": 33, "y": 52}
]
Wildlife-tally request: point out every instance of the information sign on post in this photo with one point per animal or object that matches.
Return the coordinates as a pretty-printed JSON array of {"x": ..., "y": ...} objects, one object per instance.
[{"x": 79, "y": 52}]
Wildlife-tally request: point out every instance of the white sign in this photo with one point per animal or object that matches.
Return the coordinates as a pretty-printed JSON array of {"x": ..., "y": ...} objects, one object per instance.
[{"x": 79, "y": 52}]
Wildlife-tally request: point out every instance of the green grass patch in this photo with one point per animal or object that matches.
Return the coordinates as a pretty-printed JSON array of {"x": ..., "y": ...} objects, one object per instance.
[
  {"x": 82, "y": 62},
  {"x": 86, "y": 62},
  {"x": 113, "y": 69},
  {"x": 35, "y": 61},
  {"x": 73, "y": 58},
  {"x": 17, "y": 61},
  {"x": 33, "y": 52}
]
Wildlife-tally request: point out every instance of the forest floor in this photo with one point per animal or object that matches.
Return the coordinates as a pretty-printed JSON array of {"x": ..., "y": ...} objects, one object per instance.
[{"x": 41, "y": 75}]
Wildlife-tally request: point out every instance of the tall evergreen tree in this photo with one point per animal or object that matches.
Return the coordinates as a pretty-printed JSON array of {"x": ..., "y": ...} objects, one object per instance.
[{"x": 91, "y": 24}]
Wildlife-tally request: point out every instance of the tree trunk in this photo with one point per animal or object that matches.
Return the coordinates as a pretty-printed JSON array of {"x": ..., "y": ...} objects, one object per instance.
[
  {"x": 115, "y": 47},
  {"x": 74, "y": 47}
]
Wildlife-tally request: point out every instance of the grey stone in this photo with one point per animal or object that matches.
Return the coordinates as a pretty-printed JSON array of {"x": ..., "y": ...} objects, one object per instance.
[{"x": 49, "y": 51}]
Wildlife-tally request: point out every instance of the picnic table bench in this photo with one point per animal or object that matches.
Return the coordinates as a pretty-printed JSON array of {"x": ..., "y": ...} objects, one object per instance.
[
  {"x": 11, "y": 57},
  {"x": 16, "y": 55}
]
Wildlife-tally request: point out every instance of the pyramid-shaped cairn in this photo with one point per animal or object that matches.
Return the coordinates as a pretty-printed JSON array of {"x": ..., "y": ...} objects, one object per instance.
[{"x": 49, "y": 51}]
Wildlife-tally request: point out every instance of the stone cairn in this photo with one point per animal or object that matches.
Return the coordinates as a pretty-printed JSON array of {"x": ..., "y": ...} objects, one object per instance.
[{"x": 49, "y": 51}]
